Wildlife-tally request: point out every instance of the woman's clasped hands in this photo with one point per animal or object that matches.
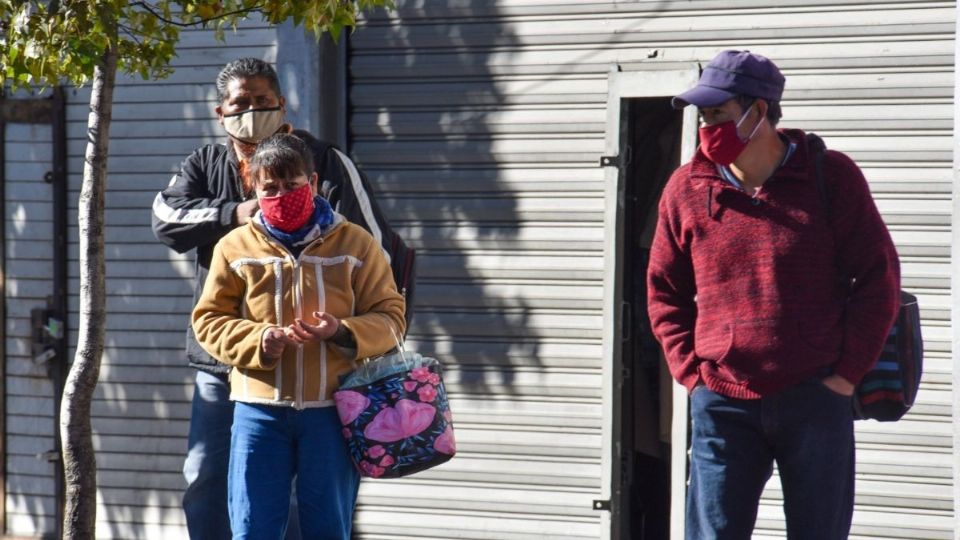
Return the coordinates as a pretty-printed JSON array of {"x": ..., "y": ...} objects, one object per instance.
[{"x": 275, "y": 339}]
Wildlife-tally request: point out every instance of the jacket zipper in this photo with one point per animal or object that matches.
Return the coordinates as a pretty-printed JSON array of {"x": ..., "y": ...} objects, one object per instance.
[
  {"x": 298, "y": 311},
  {"x": 298, "y": 314},
  {"x": 235, "y": 163}
]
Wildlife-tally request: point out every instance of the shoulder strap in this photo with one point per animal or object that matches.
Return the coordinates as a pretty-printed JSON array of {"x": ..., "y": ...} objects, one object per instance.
[
  {"x": 818, "y": 148},
  {"x": 363, "y": 200}
]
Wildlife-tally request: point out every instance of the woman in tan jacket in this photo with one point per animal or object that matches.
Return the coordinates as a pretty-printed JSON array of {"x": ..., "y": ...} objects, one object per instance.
[{"x": 293, "y": 298}]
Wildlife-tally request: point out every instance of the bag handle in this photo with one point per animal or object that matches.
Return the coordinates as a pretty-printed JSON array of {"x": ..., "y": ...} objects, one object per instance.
[
  {"x": 400, "y": 348},
  {"x": 397, "y": 340}
]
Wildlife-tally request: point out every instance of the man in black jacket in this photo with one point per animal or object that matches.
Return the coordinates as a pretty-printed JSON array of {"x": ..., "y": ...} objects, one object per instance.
[{"x": 206, "y": 199}]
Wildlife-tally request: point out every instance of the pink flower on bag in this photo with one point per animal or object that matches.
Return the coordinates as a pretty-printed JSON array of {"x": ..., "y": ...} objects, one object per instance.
[
  {"x": 433, "y": 379},
  {"x": 445, "y": 443},
  {"x": 376, "y": 451},
  {"x": 349, "y": 405},
  {"x": 386, "y": 461},
  {"x": 371, "y": 470},
  {"x": 427, "y": 393},
  {"x": 347, "y": 434},
  {"x": 447, "y": 415},
  {"x": 410, "y": 386},
  {"x": 421, "y": 374},
  {"x": 406, "y": 419}
]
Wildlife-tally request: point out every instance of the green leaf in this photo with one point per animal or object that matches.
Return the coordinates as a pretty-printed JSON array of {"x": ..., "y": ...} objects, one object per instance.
[
  {"x": 37, "y": 46},
  {"x": 335, "y": 32}
]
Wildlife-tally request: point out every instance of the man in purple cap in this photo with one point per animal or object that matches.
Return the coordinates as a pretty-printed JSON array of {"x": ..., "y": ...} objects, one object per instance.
[{"x": 770, "y": 306}]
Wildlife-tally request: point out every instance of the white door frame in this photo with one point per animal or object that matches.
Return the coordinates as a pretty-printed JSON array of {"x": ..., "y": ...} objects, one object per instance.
[
  {"x": 626, "y": 85},
  {"x": 954, "y": 282}
]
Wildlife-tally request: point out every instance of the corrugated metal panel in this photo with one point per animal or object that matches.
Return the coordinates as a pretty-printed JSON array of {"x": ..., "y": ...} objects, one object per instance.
[
  {"x": 28, "y": 244},
  {"x": 482, "y": 123},
  {"x": 142, "y": 405}
]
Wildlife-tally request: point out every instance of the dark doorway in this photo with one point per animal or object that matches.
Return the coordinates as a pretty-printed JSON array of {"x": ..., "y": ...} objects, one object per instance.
[{"x": 650, "y": 140}]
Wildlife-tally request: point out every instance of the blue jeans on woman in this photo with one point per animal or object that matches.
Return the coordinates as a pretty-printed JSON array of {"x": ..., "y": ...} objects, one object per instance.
[
  {"x": 271, "y": 445},
  {"x": 807, "y": 429}
]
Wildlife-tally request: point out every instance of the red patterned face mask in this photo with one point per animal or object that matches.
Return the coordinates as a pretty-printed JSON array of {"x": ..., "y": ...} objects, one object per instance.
[
  {"x": 721, "y": 143},
  {"x": 290, "y": 211}
]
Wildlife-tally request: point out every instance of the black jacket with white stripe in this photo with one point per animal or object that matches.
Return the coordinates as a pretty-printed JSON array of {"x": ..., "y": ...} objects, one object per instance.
[{"x": 198, "y": 207}]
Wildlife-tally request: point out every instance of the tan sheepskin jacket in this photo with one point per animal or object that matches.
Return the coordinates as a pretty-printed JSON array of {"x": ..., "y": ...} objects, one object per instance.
[{"x": 255, "y": 283}]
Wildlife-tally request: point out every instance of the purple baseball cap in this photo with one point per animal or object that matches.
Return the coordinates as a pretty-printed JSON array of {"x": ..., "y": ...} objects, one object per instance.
[{"x": 733, "y": 73}]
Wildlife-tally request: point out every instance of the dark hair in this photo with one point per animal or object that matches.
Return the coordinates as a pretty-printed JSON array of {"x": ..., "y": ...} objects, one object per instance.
[
  {"x": 774, "y": 112},
  {"x": 246, "y": 68},
  {"x": 281, "y": 156}
]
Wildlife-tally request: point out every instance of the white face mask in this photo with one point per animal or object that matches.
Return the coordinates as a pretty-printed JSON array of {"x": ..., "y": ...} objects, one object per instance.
[{"x": 253, "y": 125}]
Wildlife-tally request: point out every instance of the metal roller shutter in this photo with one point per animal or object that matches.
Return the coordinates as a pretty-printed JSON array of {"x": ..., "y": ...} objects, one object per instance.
[
  {"x": 30, "y": 502},
  {"x": 481, "y": 124}
]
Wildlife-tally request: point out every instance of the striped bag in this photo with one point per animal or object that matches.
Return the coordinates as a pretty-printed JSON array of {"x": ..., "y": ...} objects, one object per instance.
[{"x": 888, "y": 391}]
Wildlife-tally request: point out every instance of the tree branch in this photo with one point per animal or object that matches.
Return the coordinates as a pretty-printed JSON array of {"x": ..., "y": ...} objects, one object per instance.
[
  {"x": 154, "y": 12},
  {"x": 130, "y": 32}
]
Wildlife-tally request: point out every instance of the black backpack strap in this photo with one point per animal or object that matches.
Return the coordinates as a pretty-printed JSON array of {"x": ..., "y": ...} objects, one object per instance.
[{"x": 818, "y": 148}]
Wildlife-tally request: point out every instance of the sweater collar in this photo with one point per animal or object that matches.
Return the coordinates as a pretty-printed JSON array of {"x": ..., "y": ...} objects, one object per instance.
[{"x": 703, "y": 172}]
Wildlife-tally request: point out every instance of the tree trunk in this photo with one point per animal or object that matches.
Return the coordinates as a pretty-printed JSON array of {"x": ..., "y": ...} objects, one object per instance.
[{"x": 79, "y": 462}]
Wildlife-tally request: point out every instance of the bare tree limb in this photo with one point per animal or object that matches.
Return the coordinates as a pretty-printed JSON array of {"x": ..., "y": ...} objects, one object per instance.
[
  {"x": 130, "y": 32},
  {"x": 198, "y": 22},
  {"x": 79, "y": 459}
]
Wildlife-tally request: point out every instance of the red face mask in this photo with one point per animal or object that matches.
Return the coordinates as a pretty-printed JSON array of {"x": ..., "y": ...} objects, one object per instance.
[
  {"x": 290, "y": 211},
  {"x": 721, "y": 143}
]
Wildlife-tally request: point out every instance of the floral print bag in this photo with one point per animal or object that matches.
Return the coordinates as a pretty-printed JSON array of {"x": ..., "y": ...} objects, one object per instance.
[{"x": 395, "y": 415}]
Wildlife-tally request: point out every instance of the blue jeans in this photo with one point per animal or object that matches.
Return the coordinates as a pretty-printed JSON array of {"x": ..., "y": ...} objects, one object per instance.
[
  {"x": 270, "y": 446},
  {"x": 807, "y": 429},
  {"x": 208, "y": 453},
  {"x": 205, "y": 469}
]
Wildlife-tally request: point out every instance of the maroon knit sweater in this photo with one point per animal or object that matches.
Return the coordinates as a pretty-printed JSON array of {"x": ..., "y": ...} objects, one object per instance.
[{"x": 752, "y": 295}]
